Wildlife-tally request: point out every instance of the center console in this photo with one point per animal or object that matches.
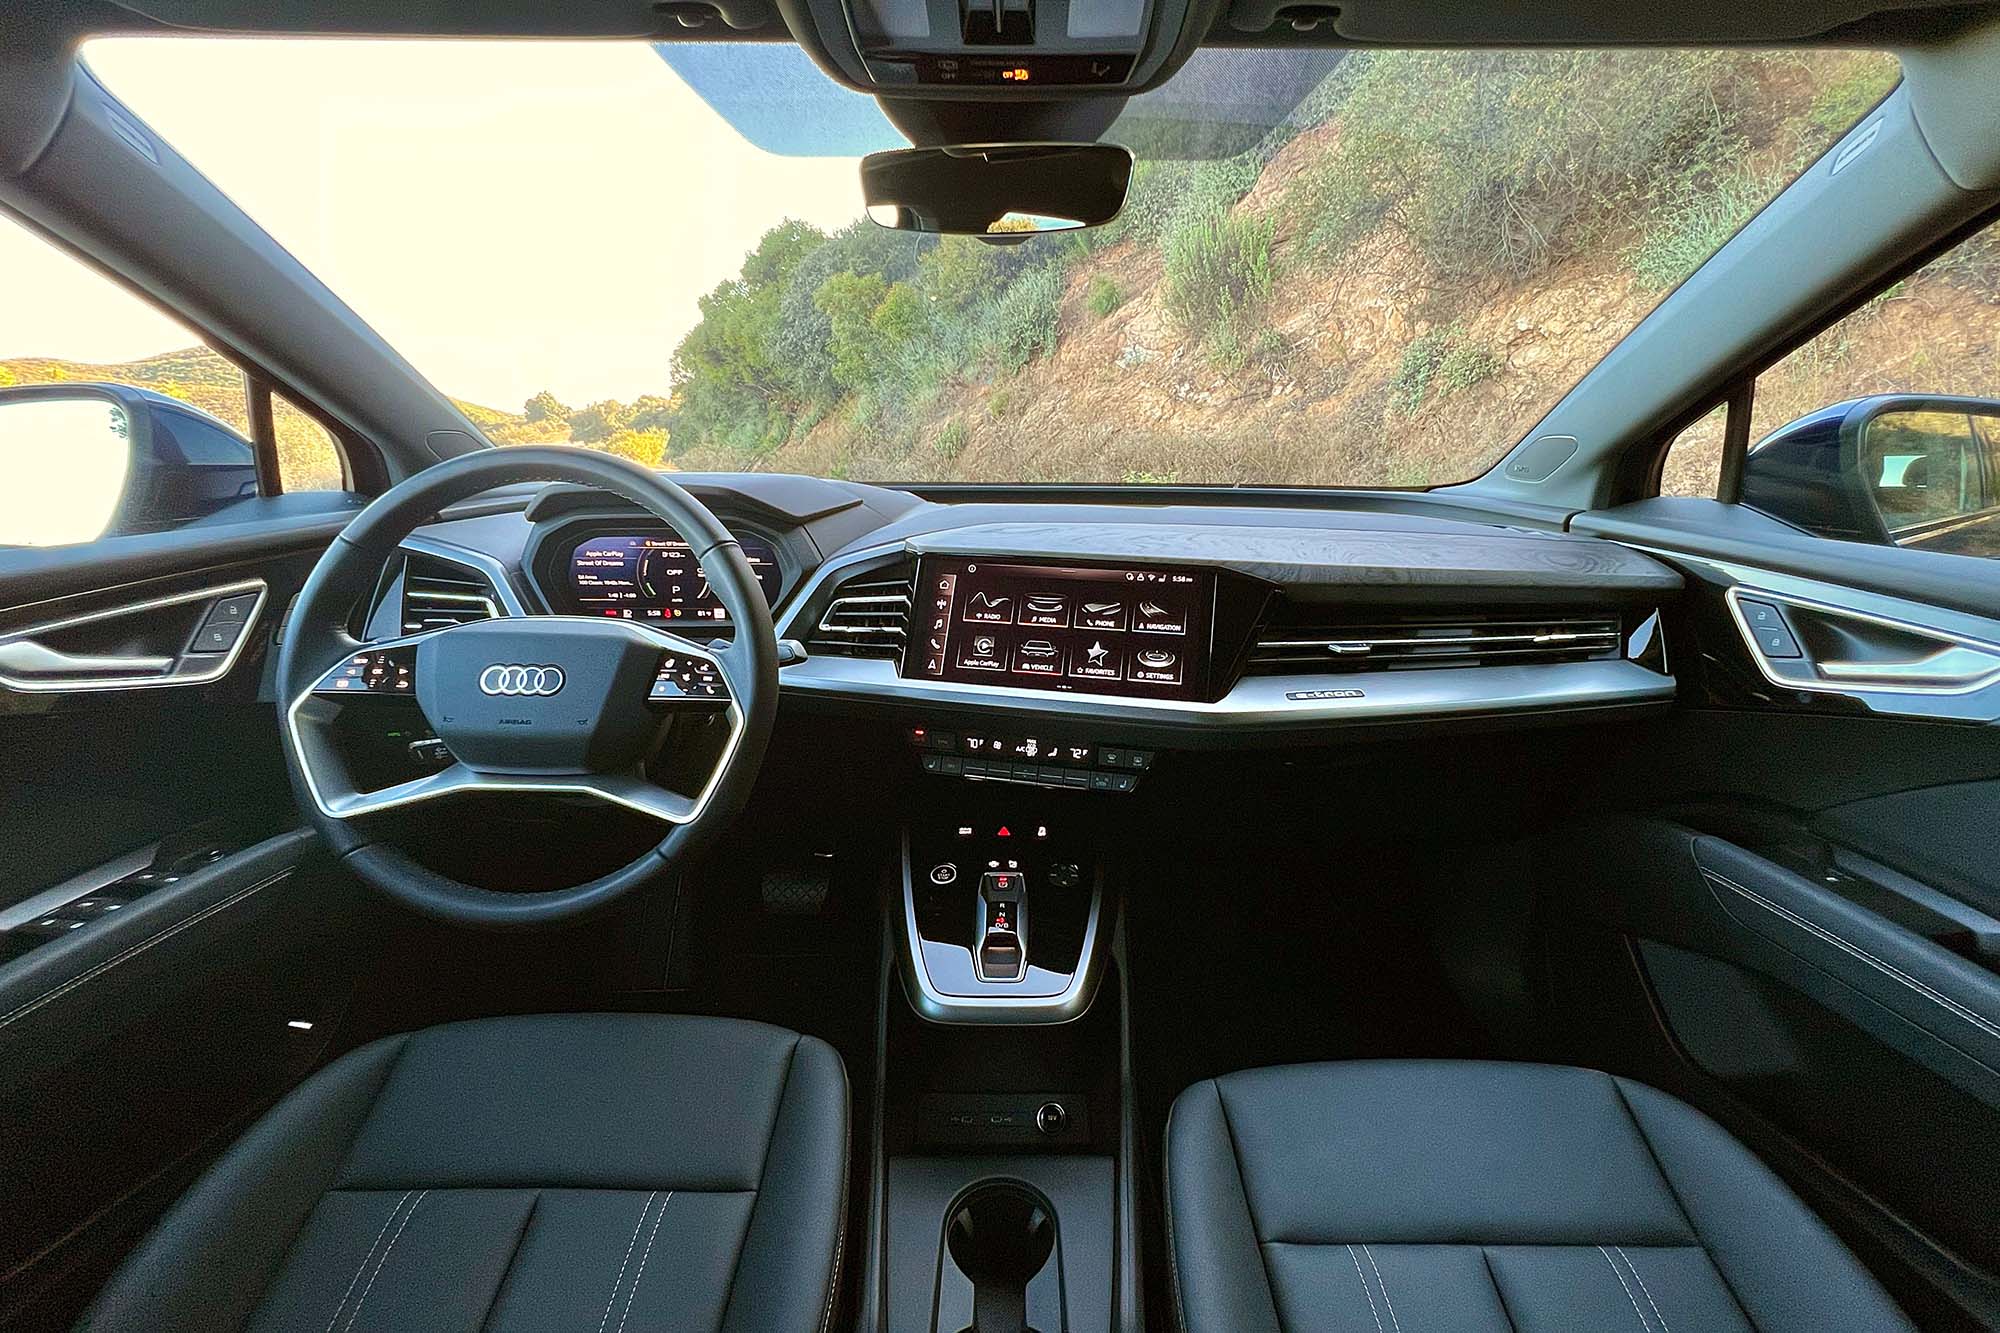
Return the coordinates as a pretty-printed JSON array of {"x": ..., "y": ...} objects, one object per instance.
[
  {"x": 1002, "y": 911},
  {"x": 1005, "y": 1129}
]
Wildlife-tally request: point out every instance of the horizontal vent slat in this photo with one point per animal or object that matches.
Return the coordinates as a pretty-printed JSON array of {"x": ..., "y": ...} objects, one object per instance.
[
  {"x": 438, "y": 594},
  {"x": 869, "y": 616},
  {"x": 1297, "y": 642}
]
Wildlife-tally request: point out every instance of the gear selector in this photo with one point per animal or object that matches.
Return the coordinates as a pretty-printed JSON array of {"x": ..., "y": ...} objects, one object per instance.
[{"x": 1003, "y": 954}]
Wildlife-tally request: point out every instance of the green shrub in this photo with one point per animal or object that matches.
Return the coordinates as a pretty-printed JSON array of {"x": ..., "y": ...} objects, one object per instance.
[
  {"x": 1027, "y": 318},
  {"x": 951, "y": 438},
  {"x": 998, "y": 403},
  {"x": 1104, "y": 295},
  {"x": 1505, "y": 163},
  {"x": 1218, "y": 274},
  {"x": 1465, "y": 364},
  {"x": 1437, "y": 363}
]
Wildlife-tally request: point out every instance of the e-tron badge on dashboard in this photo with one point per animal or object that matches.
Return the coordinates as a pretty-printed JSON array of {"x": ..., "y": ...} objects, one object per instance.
[{"x": 1313, "y": 696}]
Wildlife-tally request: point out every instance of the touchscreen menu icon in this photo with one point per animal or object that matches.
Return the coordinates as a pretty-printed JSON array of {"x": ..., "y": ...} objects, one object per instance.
[
  {"x": 1156, "y": 666},
  {"x": 1159, "y": 613},
  {"x": 982, "y": 652},
  {"x": 1096, "y": 659},
  {"x": 1045, "y": 609},
  {"x": 1038, "y": 657},
  {"x": 943, "y": 593},
  {"x": 990, "y": 608},
  {"x": 1100, "y": 613}
]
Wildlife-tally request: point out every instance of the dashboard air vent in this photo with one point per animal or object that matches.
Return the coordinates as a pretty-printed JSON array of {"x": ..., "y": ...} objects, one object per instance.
[
  {"x": 438, "y": 594},
  {"x": 869, "y": 615},
  {"x": 1305, "y": 640}
]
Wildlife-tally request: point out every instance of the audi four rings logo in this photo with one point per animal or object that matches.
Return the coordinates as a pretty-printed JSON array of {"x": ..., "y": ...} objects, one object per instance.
[{"x": 505, "y": 678}]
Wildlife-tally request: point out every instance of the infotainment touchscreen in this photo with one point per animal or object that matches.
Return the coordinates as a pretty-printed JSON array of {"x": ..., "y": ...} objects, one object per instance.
[{"x": 1140, "y": 630}]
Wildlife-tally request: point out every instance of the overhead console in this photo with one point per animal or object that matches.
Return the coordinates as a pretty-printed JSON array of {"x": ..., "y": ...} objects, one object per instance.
[{"x": 1009, "y": 49}]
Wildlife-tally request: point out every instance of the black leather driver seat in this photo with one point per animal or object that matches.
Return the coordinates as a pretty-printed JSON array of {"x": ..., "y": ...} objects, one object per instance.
[
  {"x": 609, "y": 1172},
  {"x": 1457, "y": 1197}
]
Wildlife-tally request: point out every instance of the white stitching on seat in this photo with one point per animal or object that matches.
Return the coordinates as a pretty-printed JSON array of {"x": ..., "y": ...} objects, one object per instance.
[
  {"x": 362, "y": 1267},
  {"x": 1847, "y": 946},
  {"x": 1398, "y": 1324},
  {"x": 651, "y": 1236},
  {"x": 1643, "y": 1287},
  {"x": 619, "y": 1281},
  {"x": 47, "y": 996},
  {"x": 383, "y": 1262},
  {"x": 1367, "y": 1291},
  {"x": 1626, "y": 1287}
]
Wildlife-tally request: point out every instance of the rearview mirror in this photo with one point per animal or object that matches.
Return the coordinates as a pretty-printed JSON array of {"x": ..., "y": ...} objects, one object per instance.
[
  {"x": 1893, "y": 469},
  {"x": 996, "y": 190}
]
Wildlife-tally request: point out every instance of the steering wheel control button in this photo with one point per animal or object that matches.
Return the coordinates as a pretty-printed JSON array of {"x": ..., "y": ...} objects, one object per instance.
[
  {"x": 685, "y": 676},
  {"x": 377, "y": 671},
  {"x": 944, "y": 873},
  {"x": 430, "y": 750}
]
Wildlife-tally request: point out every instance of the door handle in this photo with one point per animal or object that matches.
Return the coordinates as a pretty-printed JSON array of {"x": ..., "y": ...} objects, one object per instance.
[
  {"x": 1954, "y": 665},
  {"x": 30, "y": 660}
]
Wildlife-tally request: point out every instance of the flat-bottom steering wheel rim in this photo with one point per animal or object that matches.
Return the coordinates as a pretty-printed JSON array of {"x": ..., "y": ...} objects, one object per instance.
[{"x": 316, "y": 637}]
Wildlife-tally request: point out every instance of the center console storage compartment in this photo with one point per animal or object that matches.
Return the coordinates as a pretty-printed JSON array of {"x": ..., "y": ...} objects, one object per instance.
[{"x": 1001, "y": 1244}]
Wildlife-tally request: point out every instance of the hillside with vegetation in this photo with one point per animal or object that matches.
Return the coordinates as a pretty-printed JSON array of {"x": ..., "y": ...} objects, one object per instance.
[{"x": 1389, "y": 291}]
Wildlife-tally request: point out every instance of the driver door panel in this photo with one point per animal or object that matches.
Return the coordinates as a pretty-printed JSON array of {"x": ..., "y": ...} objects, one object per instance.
[{"x": 174, "y": 952}]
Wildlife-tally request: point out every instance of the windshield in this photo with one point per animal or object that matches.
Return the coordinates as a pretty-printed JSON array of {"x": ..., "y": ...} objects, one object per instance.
[{"x": 1383, "y": 274}]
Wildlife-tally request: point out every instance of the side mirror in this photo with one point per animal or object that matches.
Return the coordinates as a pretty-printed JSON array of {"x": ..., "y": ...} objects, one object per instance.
[
  {"x": 1893, "y": 469},
  {"x": 999, "y": 191},
  {"x": 83, "y": 461}
]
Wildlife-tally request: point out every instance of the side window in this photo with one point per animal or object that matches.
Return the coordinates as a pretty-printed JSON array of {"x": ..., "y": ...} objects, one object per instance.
[
  {"x": 1884, "y": 427},
  {"x": 308, "y": 459},
  {"x": 114, "y": 417}
]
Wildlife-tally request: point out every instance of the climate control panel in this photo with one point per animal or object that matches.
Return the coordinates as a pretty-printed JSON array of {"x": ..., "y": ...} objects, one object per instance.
[{"x": 1038, "y": 759}]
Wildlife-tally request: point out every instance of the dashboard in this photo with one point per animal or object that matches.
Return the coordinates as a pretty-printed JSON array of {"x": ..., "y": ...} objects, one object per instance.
[{"x": 1112, "y": 630}]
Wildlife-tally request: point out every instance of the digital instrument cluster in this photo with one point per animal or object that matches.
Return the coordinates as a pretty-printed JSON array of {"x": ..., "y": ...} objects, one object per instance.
[
  {"x": 1140, "y": 631},
  {"x": 654, "y": 576}
]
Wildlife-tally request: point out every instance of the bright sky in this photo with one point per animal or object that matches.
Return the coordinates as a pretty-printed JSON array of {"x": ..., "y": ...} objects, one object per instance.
[{"x": 509, "y": 216}]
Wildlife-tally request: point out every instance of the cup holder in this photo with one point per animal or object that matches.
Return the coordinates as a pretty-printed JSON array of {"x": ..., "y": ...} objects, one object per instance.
[{"x": 1000, "y": 1233}]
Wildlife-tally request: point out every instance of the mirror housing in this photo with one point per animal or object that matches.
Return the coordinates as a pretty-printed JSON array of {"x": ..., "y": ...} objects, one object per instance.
[
  {"x": 998, "y": 191},
  {"x": 88, "y": 460},
  {"x": 1862, "y": 470}
]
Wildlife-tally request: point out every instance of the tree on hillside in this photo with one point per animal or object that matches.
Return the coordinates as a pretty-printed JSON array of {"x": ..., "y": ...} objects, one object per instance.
[
  {"x": 849, "y": 301},
  {"x": 598, "y": 422},
  {"x": 544, "y": 406},
  {"x": 727, "y": 379}
]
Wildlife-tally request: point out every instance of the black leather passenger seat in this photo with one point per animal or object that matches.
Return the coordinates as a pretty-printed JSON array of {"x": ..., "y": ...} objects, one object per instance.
[
  {"x": 574, "y": 1172},
  {"x": 1461, "y": 1197}
]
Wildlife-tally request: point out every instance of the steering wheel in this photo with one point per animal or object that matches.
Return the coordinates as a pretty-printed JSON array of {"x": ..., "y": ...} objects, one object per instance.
[{"x": 525, "y": 704}]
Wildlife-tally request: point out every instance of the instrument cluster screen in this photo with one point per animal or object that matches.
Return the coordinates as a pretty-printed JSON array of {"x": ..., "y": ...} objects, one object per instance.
[
  {"x": 1141, "y": 631},
  {"x": 654, "y": 576}
]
